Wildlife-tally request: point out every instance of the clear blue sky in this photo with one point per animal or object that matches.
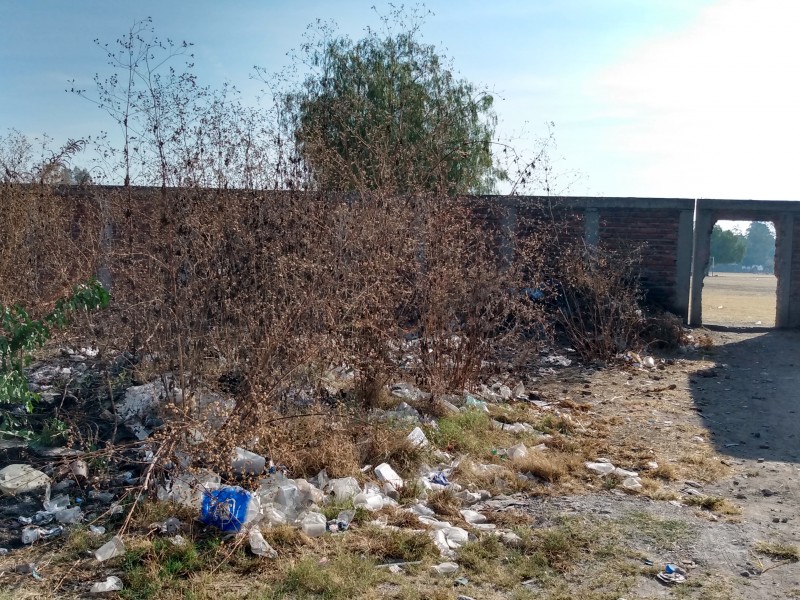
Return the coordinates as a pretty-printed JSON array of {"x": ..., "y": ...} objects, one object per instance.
[{"x": 672, "y": 98}]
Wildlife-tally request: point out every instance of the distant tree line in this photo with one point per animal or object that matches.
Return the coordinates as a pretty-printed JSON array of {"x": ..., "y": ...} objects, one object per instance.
[{"x": 755, "y": 247}]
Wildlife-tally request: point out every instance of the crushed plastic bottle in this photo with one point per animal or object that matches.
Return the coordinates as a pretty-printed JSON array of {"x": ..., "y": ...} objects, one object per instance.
[
  {"x": 31, "y": 535},
  {"x": 247, "y": 463},
  {"x": 229, "y": 508},
  {"x": 112, "y": 548},
  {"x": 111, "y": 584},
  {"x": 259, "y": 546},
  {"x": 70, "y": 516},
  {"x": 445, "y": 568},
  {"x": 370, "y": 501},
  {"x": 344, "y": 518},
  {"x": 313, "y": 524},
  {"x": 344, "y": 488},
  {"x": 56, "y": 504}
]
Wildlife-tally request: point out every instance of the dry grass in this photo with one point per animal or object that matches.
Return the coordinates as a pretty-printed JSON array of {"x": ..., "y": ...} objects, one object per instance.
[
  {"x": 789, "y": 552},
  {"x": 445, "y": 504},
  {"x": 713, "y": 504},
  {"x": 551, "y": 466}
]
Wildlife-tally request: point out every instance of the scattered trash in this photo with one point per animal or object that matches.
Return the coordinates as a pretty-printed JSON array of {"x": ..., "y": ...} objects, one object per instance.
[
  {"x": 439, "y": 478},
  {"x": 313, "y": 524},
  {"x": 344, "y": 489},
  {"x": 445, "y": 568},
  {"x": 229, "y": 508},
  {"x": 417, "y": 438},
  {"x": 18, "y": 479},
  {"x": 80, "y": 469},
  {"x": 259, "y": 546},
  {"x": 114, "y": 547},
  {"x": 247, "y": 463},
  {"x": 518, "y": 451},
  {"x": 672, "y": 575},
  {"x": 111, "y": 584},
  {"x": 387, "y": 474},
  {"x": 169, "y": 527}
]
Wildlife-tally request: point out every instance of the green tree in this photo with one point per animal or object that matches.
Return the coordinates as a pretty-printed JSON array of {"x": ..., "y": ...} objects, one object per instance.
[
  {"x": 727, "y": 247},
  {"x": 760, "y": 245},
  {"x": 387, "y": 112}
]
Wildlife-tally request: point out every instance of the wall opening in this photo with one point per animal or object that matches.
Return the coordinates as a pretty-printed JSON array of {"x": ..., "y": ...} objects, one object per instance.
[{"x": 740, "y": 286}]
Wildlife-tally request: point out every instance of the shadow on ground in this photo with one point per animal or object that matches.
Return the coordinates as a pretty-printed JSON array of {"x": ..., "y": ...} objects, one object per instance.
[{"x": 750, "y": 401}]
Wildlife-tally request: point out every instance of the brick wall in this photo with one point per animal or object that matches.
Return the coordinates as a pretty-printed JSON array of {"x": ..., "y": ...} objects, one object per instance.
[{"x": 655, "y": 233}]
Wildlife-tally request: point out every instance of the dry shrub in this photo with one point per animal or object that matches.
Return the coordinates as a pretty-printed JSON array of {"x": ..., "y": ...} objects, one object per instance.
[
  {"x": 599, "y": 309},
  {"x": 306, "y": 445},
  {"x": 48, "y": 244}
]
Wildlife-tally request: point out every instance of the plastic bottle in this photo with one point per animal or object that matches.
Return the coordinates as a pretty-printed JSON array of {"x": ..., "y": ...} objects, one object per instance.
[{"x": 114, "y": 547}]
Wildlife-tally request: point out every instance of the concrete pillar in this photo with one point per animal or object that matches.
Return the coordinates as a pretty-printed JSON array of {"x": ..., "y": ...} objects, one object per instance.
[
  {"x": 591, "y": 227},
  {"x": 702, "y": 251},
  {"x": 786, "y": 315},
  {"x": 683, "y": 264}
]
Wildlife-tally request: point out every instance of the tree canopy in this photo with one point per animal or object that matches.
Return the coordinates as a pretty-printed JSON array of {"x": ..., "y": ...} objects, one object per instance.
[
  {"x": 727, "y": 247},
  {"x": 387, "y": 112},
  {"x": 760, "y": 245}
]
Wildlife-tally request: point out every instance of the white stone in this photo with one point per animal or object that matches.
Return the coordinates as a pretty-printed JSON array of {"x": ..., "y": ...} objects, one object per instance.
[{"x": 601, "y": 468}]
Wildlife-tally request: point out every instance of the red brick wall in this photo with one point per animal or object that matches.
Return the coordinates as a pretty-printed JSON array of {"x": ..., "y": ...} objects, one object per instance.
[{"x": 655, "y": 232}]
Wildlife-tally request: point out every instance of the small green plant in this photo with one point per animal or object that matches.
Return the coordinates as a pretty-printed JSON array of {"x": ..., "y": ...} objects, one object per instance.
[{"x": 21, "y": 335}]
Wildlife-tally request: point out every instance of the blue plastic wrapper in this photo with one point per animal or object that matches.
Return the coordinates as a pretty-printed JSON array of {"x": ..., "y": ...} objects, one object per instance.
[
  {"x": 225, "y": 508},
  {"x": 439, "y": 478}
]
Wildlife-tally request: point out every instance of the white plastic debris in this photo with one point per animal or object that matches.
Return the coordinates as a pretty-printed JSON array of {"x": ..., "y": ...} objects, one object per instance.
[
  {"x": 114, "y": 547},
  {"x": 344, "y": 488},
  {"x": 456, "y": 537},
  {"x": 247, "y": 463},
  {"x": 445, "y": 568},
  {"x": 18, "y": 479},
  {"x": 518, "y": 451},
  {"x": 69, "y": 516},
  {"x": 111, "y": 584},
  {"x": 417, "y": 438},
  {"x": 370, "y": 501},
  {"x": 259, "y": 546},
  {"x": 473, "y": 517},
  {"x": 624, "y": 473},
  {"x": 386, "y": 473},
  {"x": 313, "y": 524}
]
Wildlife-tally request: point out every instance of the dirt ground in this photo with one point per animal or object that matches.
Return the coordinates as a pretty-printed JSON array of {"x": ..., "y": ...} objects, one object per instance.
[
  {"x": 726, "y": 415},
  {"x": 739, "y": 300}
]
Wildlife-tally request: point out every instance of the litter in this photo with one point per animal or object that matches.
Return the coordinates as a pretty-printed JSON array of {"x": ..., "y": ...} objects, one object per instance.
[
  {"x": 229, "y": 508},
  {"x": 111, "y": 584},
  {"x": 114, "y": 547}
]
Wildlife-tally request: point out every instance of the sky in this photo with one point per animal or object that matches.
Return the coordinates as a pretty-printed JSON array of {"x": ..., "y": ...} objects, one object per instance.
[{"x": 647, "y": 98}]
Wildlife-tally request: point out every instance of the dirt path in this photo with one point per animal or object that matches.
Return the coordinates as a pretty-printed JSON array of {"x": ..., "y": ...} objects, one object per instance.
[{"x": 727, "y": 414}]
